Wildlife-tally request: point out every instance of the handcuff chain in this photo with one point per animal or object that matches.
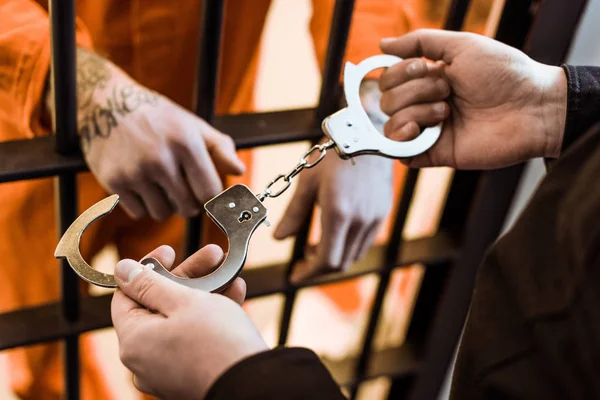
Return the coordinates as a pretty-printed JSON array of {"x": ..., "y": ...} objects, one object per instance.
[{"x": 287, "y": 178}]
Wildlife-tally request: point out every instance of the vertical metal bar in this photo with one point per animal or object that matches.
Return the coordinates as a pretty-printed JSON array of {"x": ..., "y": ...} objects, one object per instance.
[
  {"x": 457, "y": 13},
  {"x": 64, "y": 83},
  {"x": 63, "y": 70},
  {"x": 206, "y": 89},
  {"x": 391, "y": 257},
  {"x": 328, "y": 102},
  {"x": 336, "y": 50},
  {"x": 432, "y": 287}
]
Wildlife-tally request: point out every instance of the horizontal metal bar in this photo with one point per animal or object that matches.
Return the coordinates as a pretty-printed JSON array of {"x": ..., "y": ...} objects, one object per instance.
[
  {"x": 270, "y": 280},
  {"x": 37, "y": 158},
  {"x": 46, "y": 323},
  {"x": 41, "y": 325}
]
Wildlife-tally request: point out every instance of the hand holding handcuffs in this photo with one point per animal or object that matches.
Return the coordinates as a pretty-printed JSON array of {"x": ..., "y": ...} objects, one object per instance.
[{"x": 238, "y": 212}]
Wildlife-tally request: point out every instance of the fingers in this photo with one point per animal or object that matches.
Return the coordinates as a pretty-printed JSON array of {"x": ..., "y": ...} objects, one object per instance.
[
  {"x": 154, "y": 198},
  {"x": 125, "y": 311},
  {"x": 131, "y": 203},
  {"x": 236, "y": 291},
  {"x": 402, "y": 72},
  {"x": 201, "y": 263},
  {"x": 297, "y": 211},
  {"x": 329, "y": 253},
  {"x": 430, "y": 43},
  {"x": 405, "y": 124},
  {"x": 198, "y": 167},
  {"x": 150, "y": 289},
  {"x": 164, "y": 254},
  {"x": 352, "y": 244},
  {"x": 222, "y": 149},
  {"x": 141, "y": 385},
  {"x": 176, "y": 188},
  {"x": 416, "y": 91},
  {"x": 330, "y": 250},
  {"x": 367, "y": 241}
]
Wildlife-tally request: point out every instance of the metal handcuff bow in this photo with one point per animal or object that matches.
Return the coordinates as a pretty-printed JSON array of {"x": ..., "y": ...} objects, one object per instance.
[{"x": 238, "y": 212}]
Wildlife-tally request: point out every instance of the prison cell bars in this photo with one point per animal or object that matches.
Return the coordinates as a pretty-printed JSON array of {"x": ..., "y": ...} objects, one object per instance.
[
  {"x": 328, "y": 101},
  {"x": 205, "y": 95},
  {"x": 37, "y": 158},
  {"x": 64, "y": 85}
]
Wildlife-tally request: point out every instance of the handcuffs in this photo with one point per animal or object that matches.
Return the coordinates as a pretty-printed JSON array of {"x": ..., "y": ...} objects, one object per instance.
[{"x": 238, "y": 211}]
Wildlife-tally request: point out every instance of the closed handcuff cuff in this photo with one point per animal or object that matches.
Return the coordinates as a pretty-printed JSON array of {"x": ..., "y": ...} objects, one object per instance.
[{"x": 238, "y": 212}]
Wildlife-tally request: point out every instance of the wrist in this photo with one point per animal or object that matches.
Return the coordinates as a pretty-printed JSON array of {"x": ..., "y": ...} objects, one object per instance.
[{"x": 553, "y": 112}]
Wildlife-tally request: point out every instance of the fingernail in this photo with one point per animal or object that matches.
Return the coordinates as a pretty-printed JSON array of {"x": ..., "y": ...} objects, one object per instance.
[
  {"x": 279, "y": 234},
  {"x": 387, "y": 40},
  {"x": 127, "y": 270},
  {"x": 440, "y": 108},
  {"x": 415, "y": 69},
  {"x": 241, "y": 165},
  {"x": 406, "y": 129}
]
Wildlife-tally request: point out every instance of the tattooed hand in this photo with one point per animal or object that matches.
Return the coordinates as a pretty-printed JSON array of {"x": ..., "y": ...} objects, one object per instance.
[{"x": 156, "y": 155}]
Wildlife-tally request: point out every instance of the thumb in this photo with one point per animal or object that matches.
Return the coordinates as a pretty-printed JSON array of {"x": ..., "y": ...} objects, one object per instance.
[
  {"x": 153, "y": 291},
  {"x": 297, "y": 211},
  {"x": 433, "y": 44},
  {"x": 222, "y": 150}
]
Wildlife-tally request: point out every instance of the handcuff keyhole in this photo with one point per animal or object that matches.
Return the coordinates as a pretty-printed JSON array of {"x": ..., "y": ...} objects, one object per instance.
[{"x": 245, "y": 216}]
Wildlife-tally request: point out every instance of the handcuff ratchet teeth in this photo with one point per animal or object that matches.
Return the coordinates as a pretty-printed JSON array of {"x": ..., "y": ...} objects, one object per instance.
[{"x": 237, "y": 211}]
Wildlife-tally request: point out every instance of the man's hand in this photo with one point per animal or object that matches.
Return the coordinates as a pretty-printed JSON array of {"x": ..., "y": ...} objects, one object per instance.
[
  {"x": 156, "y": 155},
  {"x": 504, "y": 107},
  {"x": 354, "y": 199},
  {"x": 178, "y": 341}
]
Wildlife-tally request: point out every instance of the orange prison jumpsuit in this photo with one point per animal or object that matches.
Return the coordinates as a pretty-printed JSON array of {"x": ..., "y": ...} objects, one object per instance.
[{"x": 155, "y": 41}]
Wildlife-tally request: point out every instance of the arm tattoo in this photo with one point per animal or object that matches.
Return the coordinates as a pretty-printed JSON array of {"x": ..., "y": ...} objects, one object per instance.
[
  {"x": 98, "y": 119},
  {"x": 92, "y": 73}
]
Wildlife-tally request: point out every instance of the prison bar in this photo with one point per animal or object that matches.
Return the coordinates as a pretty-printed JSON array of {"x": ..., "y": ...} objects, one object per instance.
[
  {"x": 329, "y": 100},
  {"x": 391, "y": 255},
  {"x": 45, "y": 323},
  {"x": 64, "y": 89},
  {"x": 32, "y": 325},
  {"x": 205, "y": 93},
  {"x": 457, "y": 13}
]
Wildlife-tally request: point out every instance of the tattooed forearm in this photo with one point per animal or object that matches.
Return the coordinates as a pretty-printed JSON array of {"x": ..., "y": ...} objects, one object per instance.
[
  {"x": 105, "y": 95},
  {"x": 120, "y": 97},
  {"x": 99, "y": 120},
  {"x": 93, "y": 72}
]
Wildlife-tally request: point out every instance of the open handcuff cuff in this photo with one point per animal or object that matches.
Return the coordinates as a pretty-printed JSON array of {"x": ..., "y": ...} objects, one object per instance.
[{"x": 238, "y": 212}]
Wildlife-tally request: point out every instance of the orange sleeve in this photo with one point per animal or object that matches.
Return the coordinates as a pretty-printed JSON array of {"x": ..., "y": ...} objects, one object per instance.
[
  {"x": 24, "y": 66},
  {"x": 371, "y": 21}
]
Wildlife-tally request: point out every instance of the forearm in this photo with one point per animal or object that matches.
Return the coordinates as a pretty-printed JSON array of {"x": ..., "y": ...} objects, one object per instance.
[{"x": 106, "y": 96}]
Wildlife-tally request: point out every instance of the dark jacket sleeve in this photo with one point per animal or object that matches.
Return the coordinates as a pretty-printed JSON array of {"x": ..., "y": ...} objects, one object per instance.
[
  {"x": 282, "y": 373},
  {"x": 583, "y": 102}
]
